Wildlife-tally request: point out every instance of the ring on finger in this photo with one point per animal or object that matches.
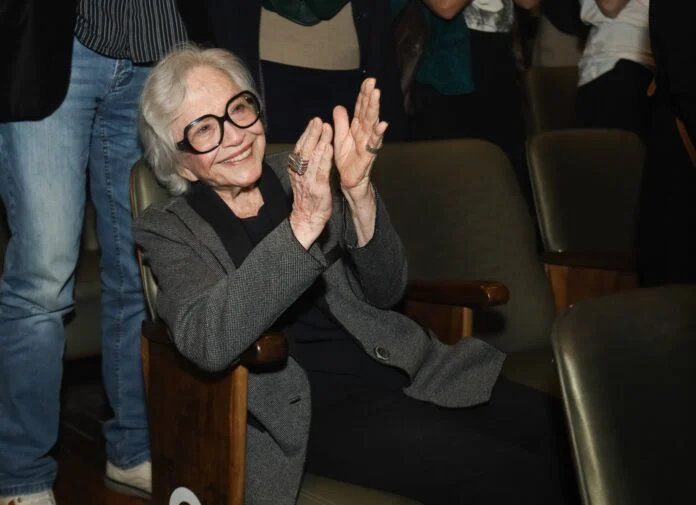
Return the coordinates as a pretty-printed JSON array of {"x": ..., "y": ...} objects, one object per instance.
[
  {"x": 297, "y": 163},
  {"x": 373, "y": 150}
]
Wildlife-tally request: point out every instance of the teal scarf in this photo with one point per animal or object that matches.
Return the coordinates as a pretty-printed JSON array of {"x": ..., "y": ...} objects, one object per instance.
[
  {"x": 446, "y": 62},
  {"x": 305, "y": 12}
]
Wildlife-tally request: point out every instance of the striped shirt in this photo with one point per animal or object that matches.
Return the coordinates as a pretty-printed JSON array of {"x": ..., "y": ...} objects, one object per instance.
[{"x": 139, "y": 30}]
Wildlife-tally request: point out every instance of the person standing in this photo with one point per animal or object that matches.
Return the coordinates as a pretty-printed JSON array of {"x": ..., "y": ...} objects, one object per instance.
[
  {"x": 488, "y": 103},
  {"x": 306, "y": 57},
  {"x": 616, "y": 66},
  {"x": 667, "y": 215},
  {"x": 68, "y": 115}
]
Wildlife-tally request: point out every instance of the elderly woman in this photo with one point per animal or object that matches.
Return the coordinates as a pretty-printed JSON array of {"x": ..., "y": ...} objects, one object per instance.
[{"x": 249, "y": 244}]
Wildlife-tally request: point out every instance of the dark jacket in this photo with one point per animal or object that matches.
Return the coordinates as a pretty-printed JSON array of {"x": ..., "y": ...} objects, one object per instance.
[
  {"x": 235, "y": 26},
  {"x": 36, "y": 37}
]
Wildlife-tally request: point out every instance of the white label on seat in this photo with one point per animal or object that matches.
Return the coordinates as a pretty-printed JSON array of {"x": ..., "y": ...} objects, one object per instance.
[{"x": 183, "y": 495}]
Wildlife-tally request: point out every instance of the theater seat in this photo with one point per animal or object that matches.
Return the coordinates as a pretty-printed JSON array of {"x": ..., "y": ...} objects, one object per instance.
[
  {"x": 626, "y": 368},
  {"x": 460, "y": 214},
  {"x": 550, "y": 97},
  {"x": 458, "y": 209},
  {"x": 586, "y": 186}
]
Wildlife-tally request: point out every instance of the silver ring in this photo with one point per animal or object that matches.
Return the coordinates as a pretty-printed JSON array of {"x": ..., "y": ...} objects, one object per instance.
[
  {"x": 373, "y": 150},
  {"x": 297, "y": 163}
]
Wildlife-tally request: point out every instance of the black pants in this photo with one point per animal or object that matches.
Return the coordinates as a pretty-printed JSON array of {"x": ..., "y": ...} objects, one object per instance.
[
  {"x": 667, "y": 217},
  {"x": 511, "y": 450},
  {"x": 616, "y": 99},
  {"x": 294, "y": 95}
]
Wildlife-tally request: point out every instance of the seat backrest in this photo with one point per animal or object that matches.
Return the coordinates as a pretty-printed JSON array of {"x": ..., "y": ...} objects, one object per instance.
[
  {"x": 550, "y": 94},
  {"x": 626, "y": 369},
  {"x": 553, "y": 47},
  {"x": 586, "y": 184},
  {"x": 144, "y": 191},
  {"x": 459, "y": 211}
]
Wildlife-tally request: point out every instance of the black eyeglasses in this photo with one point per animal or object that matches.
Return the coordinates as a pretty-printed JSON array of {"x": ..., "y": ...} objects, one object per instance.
[{"x": 204, "y": 134}]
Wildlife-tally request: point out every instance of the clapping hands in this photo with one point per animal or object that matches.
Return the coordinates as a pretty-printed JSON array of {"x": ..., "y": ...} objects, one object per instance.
[
  {"x": 354, "y": 149},
  {"x": 355, "y": 144}
]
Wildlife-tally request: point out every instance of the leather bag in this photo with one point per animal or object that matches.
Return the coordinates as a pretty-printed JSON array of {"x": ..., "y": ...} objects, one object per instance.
[{"x": 410, "y": 36}]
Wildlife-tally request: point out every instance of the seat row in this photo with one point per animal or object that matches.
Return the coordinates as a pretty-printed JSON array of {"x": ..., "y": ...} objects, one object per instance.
[{"x": 459, "y": 211}]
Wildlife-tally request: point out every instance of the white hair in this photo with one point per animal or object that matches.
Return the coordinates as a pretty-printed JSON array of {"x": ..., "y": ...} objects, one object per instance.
[{"x": 163, "y": 94}]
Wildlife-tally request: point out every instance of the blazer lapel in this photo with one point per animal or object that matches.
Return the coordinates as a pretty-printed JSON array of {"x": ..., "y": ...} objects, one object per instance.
[{"x": 203, "y": 233}]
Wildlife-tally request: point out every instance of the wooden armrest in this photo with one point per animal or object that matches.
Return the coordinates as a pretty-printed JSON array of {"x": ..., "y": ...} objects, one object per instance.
[
  {"x": 446, "y": 307},
  {"x": 470, "y": 294},
  {"x": 269, "y": 349},
  {"x": 192, "y": 411},
  {"x": 617, "y": 261},
  {"x": 575, "y": 276}
]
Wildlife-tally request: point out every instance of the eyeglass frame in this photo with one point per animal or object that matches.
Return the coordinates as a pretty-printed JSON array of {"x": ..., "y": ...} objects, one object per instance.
[{"x": 185, "y": 146}]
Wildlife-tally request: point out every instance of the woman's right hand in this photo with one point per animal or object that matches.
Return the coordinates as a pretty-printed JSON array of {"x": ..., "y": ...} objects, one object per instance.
[{"x": 311, "y": 208}]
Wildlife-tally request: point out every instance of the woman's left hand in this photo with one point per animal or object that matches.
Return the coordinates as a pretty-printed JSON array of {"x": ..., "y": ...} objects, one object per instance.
[{"x": 353, "y": 160}]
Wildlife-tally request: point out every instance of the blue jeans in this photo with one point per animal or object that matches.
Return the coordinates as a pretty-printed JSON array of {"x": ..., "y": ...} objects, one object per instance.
[{"x": 43, "y": 175}]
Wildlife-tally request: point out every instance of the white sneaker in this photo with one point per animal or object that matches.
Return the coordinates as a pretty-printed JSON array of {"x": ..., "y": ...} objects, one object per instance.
[
  {"x": 136, "y": 481},
  {"x": 42, "y": 498}
]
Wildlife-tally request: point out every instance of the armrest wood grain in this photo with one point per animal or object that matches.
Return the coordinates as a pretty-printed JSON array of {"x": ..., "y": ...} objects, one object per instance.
[
  {"x": 575, "y": 277},
  {"x": 269, "y": 349},
  {"x": 470, "y": 294}
]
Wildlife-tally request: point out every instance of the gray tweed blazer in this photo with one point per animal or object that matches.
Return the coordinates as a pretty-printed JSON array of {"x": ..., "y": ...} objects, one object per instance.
[{"x": 215, "y": 311}]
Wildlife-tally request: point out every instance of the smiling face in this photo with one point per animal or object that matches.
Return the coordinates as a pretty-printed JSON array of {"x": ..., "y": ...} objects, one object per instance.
[{"x": 235, "y": 165}]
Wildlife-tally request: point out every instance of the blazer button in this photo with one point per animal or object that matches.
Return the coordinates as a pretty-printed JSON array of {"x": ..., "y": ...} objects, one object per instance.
[{"x": 381, "y": 353}]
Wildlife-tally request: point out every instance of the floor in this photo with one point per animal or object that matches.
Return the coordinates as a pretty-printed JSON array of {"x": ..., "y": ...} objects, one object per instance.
[{"x": 80, "y": 450}]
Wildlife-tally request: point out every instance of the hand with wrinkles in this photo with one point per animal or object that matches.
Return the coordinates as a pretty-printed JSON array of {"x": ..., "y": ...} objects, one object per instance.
[
  {"x": 355, "y": 147},
  {"x": 353, "y": 160},
  {"x": 311, "y": 208}
]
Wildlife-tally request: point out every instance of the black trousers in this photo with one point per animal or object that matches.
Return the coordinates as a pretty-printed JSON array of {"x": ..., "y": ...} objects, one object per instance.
[
  {"x": 512, "y": 450},
  {"x": 667, "y": 216},
  {"x": 616, "y": 99},
  {"x": 294, "y": 95}
]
